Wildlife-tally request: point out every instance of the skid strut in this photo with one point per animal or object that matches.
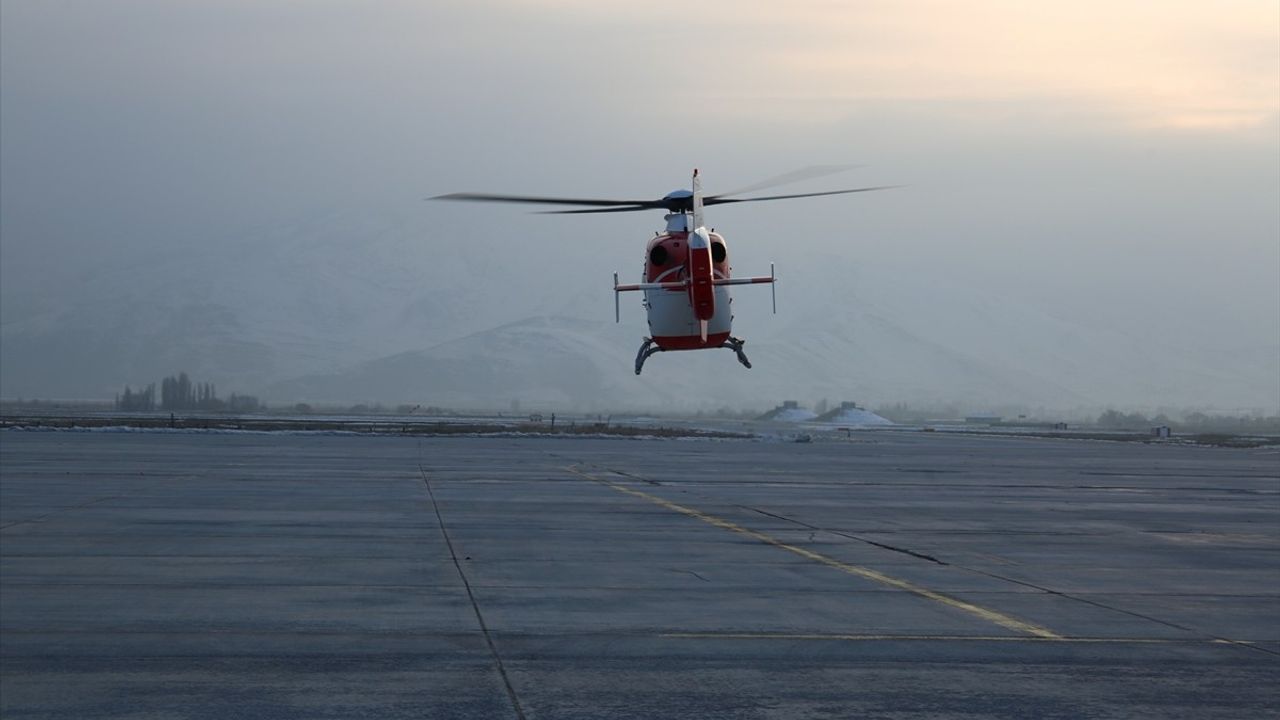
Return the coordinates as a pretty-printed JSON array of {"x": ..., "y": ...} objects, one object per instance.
[
  {"x": 735, "y": 345},
  {"x": 647, "y": 348}
]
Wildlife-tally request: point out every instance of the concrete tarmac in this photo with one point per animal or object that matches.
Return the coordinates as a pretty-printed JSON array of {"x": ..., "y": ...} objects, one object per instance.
[{"x": 889, "y": 575}]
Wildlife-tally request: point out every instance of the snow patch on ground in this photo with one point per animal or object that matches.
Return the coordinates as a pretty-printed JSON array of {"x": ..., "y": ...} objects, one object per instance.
[{"x": 496, "y": 434}]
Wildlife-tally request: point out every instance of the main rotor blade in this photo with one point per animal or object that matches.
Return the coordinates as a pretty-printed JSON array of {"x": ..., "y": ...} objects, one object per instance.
[
  {"x": 625, "y": 208},
  {"x": 723, "y": 200},
  {"x": 805, "y": 173},
  {"x": 534, "y": 200}
]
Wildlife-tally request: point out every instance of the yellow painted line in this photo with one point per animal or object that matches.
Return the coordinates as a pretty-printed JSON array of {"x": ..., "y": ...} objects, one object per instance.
[{"x": 991, "y": 616}]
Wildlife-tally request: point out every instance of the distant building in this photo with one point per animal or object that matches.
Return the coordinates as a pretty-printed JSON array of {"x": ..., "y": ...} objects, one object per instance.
[
  {"x": 1162, "y": 431},
  {"x": 788, "y": 411}
]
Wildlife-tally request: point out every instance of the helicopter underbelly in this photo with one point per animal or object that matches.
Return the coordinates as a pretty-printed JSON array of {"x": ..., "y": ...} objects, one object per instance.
[{"x": 674, "y": 326}]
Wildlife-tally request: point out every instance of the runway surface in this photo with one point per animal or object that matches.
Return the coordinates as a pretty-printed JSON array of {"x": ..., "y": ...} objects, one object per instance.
[{"x": 890, "y": 575}]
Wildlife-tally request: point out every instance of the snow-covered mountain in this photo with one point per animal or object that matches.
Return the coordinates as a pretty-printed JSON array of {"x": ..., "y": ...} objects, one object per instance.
[
  {"x": 569, "y": 363},
  {"x": 244, "y": 309},
  {"x": 401, "y": 310},
  {"x": 953, "y": 339},
  {"x": 561, "y": 362}
]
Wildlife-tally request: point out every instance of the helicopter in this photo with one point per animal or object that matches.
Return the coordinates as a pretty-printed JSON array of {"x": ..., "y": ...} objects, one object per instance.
[{"x": 686, "y": 270}]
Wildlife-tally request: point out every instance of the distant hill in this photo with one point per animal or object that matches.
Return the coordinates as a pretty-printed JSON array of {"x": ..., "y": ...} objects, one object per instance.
[
  {"x": 551, "y": 362},
  {"x": 562, "y": 362},
  {"x": 368, "y": 311},
  {"x": 572, "y": 363}
]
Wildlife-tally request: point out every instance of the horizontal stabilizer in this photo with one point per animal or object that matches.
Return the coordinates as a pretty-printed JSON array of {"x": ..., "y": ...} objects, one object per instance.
[
  {"x": 743, "y": 280},
  {"x": 679, "y": 285},
  {"x": 760, "y": 280},
  {"x": 617, "y": 312}
]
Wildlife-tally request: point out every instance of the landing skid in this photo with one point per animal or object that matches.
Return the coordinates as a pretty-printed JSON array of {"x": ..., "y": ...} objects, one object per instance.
[
  {"x": 647, "y": 348},
  {"x": 735, "y": 345}
]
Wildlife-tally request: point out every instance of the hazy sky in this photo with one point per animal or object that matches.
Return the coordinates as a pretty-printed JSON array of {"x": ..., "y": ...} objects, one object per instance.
[{"x": 1124, "y": 152}]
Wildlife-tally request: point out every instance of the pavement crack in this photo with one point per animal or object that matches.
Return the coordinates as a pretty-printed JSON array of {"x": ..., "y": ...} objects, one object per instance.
[
  {"x": 631, "y": 476},
  {"x": 59, "y": 511},
  {"x": 894, "y": 548},
  {"x": 851, "y": 536},
  {"x": 1113, "y": 608},
  {"x": 475, "y": 606}
]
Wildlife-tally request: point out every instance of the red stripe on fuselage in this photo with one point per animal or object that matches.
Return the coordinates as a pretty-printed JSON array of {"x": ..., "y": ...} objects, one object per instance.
[{"x": 701, "y": 291}]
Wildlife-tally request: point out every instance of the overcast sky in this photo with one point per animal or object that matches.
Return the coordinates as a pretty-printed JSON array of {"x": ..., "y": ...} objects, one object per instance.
[{"x": 1117, "y": 150}]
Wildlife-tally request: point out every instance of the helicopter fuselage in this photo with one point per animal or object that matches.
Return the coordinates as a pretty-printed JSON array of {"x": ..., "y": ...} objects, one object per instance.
[
  {"x": 686, "y": 288},
  {"x": 676, "y": 314}
]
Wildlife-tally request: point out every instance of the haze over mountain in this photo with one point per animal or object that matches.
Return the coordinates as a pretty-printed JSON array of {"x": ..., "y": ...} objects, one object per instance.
[
  {"x": 343, "y": 311},
  {"x": 237, "y": 191}
]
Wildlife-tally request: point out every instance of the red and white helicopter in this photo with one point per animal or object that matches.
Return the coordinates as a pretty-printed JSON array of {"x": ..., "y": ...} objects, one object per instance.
[{"x": 686, "y": 268}]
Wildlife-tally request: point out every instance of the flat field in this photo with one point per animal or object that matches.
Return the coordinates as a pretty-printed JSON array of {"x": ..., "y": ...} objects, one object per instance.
[{"x": 888, "y": 574}]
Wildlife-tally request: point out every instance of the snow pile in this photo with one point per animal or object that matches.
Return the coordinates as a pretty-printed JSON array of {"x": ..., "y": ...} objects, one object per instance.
[{"x": 857, "y": 417}]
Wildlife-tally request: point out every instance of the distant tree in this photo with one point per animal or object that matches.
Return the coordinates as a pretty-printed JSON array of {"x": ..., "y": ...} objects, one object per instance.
[
  {"x": 1129, "y": 421},
  {"x": 179, "y": 393},
  {"x": 131, "y": 401},
  {"x": 207, "y": 398}
]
